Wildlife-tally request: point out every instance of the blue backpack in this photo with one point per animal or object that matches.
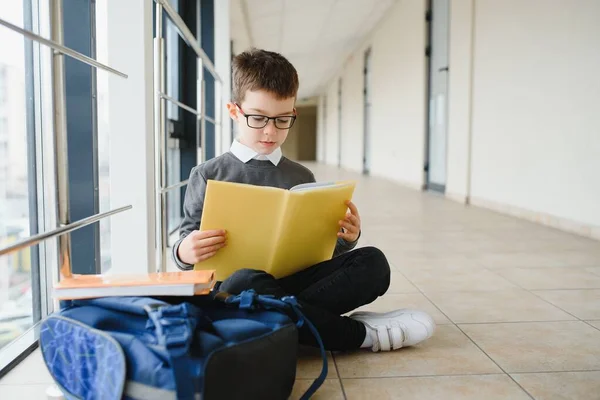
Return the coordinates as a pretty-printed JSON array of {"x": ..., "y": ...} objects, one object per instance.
[{"x": 204, "y": 347}]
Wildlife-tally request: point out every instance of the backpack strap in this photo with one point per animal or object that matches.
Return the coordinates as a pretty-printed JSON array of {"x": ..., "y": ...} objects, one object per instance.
[
  {"x": 249, "y": 300},
  {"x": 174, "y": 327}
]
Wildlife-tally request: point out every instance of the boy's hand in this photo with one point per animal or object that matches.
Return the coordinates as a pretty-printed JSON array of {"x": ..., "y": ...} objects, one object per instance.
[
  {"x": 199, "y": 246},
  {"x": 351, "y": 224}
]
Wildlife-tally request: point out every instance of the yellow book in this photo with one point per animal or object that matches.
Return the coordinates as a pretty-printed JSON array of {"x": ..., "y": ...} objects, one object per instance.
[{"x": 275, "y": 230}]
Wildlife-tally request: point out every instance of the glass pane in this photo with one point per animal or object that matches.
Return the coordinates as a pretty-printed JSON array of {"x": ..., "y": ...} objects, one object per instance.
[
  {"x": 174, "y": 121},
  {"x": 172, "y": 43},
  {"x": 16, "y": 299}
]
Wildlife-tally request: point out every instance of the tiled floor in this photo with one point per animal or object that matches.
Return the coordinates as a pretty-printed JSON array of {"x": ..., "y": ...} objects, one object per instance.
[{"x": 517, "y": 307}]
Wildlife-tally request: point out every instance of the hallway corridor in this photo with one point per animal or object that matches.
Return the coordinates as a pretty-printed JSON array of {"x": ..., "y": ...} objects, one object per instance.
[
  {"x": 517, "y": 304},
  {"x": 517, "y": 307}
]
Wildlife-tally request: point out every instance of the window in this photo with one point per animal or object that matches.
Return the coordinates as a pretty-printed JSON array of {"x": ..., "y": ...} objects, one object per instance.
[
  {"x": 81, "y": 111},
  {"x": 173, "y": 46},
  {"x": 20, "y": 305}
]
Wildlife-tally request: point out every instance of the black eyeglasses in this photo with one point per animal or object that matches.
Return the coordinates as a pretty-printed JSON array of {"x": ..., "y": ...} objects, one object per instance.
[{"x": 257, "y": 121}]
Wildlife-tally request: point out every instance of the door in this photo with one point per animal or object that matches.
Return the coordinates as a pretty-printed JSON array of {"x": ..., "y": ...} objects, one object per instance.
[
  {"x": 340, "y": 122},
  {"x": 438, "y": 96},
  {"x": 367, "y": 114}
]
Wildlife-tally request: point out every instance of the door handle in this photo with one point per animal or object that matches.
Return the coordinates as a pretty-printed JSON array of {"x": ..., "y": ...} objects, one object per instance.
[{"x": 443, "y": 69}]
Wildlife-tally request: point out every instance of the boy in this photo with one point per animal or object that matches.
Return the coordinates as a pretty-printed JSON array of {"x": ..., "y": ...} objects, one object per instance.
[{"x": 265, "y": 85}]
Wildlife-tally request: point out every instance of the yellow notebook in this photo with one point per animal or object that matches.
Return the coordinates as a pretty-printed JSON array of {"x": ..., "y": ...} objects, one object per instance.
[{"x": 271, "y": 229}]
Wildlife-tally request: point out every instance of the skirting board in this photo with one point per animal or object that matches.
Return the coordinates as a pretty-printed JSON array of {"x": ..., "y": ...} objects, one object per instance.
[
  {"x": 563, "y": 224},
  {"x": 459, "y": 198},
  {"x": 406, "y": 184}
]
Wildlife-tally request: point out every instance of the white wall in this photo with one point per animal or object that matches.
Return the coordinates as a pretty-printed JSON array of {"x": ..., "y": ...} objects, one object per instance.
[
  {"x": 320, "y": 129},
  {"x": 536, "y": 107},
  {"x": 352, "y": 113},
  {"x": 130, "y": 124},
  {"x": 524, "y": 106},
  {"x": 398, "y": 99},
  {"x": 331, "y": 132},
  {"x": 459, "y": 99}
]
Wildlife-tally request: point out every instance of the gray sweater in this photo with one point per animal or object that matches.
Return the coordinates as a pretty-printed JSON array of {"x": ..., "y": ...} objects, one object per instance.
[{"x": 229, "y": 168}]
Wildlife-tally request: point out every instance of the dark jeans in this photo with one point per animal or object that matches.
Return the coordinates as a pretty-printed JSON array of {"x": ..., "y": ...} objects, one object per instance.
[{"x": 326, "y": 291}]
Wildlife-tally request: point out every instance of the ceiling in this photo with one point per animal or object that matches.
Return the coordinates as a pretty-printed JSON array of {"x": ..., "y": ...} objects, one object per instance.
[{"x": 317, "y": 36}]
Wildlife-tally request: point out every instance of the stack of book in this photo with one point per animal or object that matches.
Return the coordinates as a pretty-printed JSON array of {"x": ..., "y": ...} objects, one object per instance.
[{"x": 185, "y": 283}]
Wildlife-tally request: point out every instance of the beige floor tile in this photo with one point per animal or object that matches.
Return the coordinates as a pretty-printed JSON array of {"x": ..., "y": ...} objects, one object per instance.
[
  {"x": 398, "y": 247},
  {"x": 539, "y": 346},
  {"x": 399, "y": 284},
  {"x": 561, "y": 385},
  {"x": 551, "y": 278},
  {"x": 23, "y": 392},
  {"x": 31, "y": 370},
  {"x": 331, "y": 389},
  {"x": 594, "y": 323},
  {"x": 582, "y": 258},
  {"x": 457, "y": 279},
  {"x": 391, "y": 301},
  {"x": 526, "y": 258},
  {"x": 496, "y": 306},
  {"x": 428, "y": 261},
  {"x": 584, "y": 304},
  {"x": 594, "y": 270},
  {"x": 510, "y": 246},
  {"x": 310, "y": 364},
  {"x": 474, "y": 387},
  {"x": 448, "y": 352}
]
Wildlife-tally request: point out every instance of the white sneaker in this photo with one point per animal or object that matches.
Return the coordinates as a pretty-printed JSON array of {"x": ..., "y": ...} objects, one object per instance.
[{"x": 396, "y": 329}]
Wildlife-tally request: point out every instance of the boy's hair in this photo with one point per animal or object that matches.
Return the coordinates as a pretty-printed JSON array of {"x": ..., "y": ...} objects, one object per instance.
[{"x": 257, "y": 69}]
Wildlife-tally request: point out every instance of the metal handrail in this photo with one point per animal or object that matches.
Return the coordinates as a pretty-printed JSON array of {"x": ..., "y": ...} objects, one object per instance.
[
  {"x": 61, "y": 49},
  {"x": 33, "y": 240},
  {"x": 61, "y": 168},
  {"x": 178, "y": 103},
  {"x": 189, "y": 37},
  {"x": 160, "y": 156},
  {"x": 174, "y": 186}
]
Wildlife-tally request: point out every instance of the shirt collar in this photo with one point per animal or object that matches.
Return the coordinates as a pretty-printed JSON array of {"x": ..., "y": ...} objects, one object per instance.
[{"x": 245, "y": 153}]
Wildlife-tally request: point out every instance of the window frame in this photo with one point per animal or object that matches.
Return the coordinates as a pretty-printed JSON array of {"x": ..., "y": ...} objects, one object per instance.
[{"x": 39, "y": 198}]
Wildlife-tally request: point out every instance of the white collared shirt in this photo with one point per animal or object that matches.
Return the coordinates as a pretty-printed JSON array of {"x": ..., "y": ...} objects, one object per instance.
[{"x": 245, "y": 153}]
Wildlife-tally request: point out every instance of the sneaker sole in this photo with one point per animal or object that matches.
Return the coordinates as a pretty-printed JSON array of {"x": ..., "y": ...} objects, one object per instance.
[
  {"x": 390, "y": 314},
  {"x": 85, "y": 363}
]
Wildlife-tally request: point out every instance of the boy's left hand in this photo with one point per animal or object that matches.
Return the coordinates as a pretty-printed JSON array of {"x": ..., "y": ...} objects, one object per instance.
[{"x": 351, "y": 224}]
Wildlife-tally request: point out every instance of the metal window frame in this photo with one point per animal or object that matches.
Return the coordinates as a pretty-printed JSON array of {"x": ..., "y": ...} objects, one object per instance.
[
  {"x": 13, "y": 353},
  {"x": 51, "y": 163},
  {"x": 164, "y": 8},
  {"x": 32, "y": 168}
]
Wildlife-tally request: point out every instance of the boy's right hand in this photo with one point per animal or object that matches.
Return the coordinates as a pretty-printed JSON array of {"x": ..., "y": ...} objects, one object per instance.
[{"x": 199, "y": 246}]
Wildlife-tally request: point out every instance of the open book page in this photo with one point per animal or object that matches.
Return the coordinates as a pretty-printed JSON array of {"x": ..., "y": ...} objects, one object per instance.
[
  {"x": 311, "y": 185},
  {"x": 308, "y": 232},
  {"x": 250, "y": 215}
]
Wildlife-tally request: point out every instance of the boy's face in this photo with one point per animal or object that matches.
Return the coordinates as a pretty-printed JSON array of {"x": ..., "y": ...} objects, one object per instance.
[{"x": 255, "y": 131}]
